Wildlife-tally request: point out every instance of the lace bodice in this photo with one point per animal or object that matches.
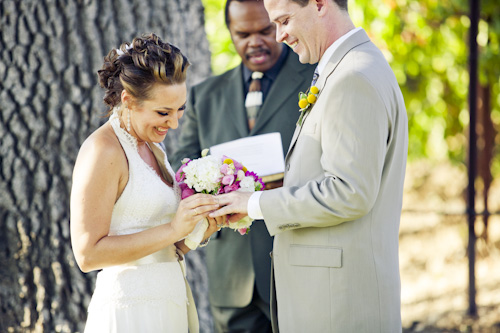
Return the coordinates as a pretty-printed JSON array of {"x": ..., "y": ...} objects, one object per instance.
[
  {"x": 133, "y": 294},
  {"x": 146, "y": 200}
]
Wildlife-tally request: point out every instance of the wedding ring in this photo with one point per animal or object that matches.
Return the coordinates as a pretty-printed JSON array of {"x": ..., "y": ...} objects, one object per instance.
[
  {"x": 195, "y": 211},
  {"x": 219, "y": 225}
]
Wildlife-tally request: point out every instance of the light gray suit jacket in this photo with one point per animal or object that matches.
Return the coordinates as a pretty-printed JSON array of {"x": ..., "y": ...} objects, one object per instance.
[
  {"x": 336, "y": 220},
  {"x": 215, "y": 113}
]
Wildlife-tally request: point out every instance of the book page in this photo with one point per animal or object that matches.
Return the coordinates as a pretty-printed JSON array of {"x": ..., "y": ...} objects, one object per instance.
[{"x": 262, "y": 154}]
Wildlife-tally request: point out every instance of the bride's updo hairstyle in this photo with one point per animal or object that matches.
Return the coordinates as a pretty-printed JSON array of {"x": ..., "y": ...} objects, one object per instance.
[{"x": 136, "y": 67}]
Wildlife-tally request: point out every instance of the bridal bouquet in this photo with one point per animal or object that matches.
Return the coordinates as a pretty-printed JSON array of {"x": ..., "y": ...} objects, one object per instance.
[{"x": 215, "y": 175}]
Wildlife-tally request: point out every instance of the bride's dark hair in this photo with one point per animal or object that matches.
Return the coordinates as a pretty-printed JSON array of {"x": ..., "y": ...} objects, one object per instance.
[{"x": 136, "y": 67}]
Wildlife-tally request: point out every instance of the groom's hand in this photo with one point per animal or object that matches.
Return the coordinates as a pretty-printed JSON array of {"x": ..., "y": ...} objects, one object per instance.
[{"x": 233, "y": 204}]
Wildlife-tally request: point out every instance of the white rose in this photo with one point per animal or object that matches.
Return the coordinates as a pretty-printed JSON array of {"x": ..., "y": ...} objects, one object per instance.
[{"x": 247, "y": 184}]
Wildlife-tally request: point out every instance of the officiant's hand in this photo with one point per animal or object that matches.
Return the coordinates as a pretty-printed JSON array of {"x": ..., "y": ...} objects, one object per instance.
[{"x": 233, "y": 204}]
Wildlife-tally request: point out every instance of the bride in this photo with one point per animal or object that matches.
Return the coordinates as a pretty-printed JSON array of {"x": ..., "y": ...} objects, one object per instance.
[{"x": 126, "y": 214}]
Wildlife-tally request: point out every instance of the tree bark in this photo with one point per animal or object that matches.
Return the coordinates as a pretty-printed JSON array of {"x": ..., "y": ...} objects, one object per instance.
[{"x": 50, "y": 102}]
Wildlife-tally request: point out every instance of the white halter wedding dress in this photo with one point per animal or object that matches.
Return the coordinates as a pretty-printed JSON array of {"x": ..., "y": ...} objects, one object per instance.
[{"x": 150, "y": 294}]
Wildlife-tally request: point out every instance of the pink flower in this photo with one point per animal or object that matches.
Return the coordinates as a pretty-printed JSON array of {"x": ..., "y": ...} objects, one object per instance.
[
  {"x": 242, "y": 231},
  {"x": 180, "y": 175},
  {"x": 186, "y": 191},
  {"x": 253, "y": 174},
  {"x": 230, "y": 188},
  {"x": 228, "y": 180},
  {"x": 237, "y": 165},
  {"x": 257, "y": 179}
]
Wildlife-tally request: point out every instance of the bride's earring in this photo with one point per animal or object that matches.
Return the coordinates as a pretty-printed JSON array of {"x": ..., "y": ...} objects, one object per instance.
[{"x": 128, "y": 118}]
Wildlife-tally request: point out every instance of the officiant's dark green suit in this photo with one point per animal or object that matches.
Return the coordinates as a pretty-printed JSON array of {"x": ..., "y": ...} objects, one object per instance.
[{"x": 215, "y": 113}]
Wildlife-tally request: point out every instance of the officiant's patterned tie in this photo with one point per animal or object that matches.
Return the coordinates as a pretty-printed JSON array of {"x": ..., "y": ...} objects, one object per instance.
[{"x": 253, "y": 100}]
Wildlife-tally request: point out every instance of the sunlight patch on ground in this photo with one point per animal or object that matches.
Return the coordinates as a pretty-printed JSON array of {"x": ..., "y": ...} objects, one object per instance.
[{"x": 433, "y": 253}]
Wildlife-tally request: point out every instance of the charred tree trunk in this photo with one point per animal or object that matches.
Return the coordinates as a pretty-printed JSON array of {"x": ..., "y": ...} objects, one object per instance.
[{"x": 50, "y": 102}]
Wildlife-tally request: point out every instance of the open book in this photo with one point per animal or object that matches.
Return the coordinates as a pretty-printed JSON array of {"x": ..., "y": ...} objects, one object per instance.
[{"x": 262, "y": 154}]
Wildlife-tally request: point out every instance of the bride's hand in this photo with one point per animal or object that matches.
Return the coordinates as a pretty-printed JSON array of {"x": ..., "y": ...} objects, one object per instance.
[
  {"x": 191, "y": 210},
  {"x": 213, "y": 225}
]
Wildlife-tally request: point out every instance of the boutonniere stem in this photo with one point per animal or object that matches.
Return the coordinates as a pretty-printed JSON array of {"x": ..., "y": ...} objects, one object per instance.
[{"x": 306, "y": 101}]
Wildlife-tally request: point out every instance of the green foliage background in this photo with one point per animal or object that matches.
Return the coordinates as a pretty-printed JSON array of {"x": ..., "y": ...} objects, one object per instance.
[{"x": 426, "y": 44}]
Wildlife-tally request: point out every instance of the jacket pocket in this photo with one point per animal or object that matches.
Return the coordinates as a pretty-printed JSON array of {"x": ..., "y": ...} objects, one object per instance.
[{"x": 315, "y": 256}]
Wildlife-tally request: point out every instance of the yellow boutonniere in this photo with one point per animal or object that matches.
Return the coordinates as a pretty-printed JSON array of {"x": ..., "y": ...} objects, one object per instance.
[{"x": 306, "y": 100}]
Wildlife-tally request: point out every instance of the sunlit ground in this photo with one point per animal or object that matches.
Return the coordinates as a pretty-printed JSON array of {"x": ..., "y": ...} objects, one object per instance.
[{"x": 433, "y": 253}]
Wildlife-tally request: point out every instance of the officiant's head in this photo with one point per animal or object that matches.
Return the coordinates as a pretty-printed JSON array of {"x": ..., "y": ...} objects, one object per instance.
[{"x": 253, "y": 34}]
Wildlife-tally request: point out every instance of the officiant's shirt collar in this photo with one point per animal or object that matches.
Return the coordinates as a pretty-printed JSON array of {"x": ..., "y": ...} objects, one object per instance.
[{"x": 330, "y": 50}]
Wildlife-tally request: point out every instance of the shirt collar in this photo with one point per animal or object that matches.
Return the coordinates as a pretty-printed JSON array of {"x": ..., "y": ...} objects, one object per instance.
[
  {"x": 273, "y": 72},
  {"x": 331, "y": 49}
]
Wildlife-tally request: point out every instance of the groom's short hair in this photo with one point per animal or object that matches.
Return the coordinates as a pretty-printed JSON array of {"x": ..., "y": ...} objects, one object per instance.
[{"x": 341, "y": 3}]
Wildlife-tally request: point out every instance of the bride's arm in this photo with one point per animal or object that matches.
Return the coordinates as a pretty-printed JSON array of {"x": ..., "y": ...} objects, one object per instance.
[{"x": 99, "y": 177}]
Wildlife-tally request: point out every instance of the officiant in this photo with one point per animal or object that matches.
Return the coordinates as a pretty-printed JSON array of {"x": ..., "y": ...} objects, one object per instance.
[{"x": 259, "y": 96}]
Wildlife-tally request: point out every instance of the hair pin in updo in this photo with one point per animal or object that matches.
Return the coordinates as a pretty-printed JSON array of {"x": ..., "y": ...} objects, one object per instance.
[{"x": 120, "y": 52}]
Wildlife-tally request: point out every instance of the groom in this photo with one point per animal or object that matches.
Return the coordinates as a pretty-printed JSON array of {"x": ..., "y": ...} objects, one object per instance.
[{"x": 335, "y": 221}]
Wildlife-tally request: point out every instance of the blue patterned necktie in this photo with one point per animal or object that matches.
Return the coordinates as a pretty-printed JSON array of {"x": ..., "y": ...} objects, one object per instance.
[{"x": 315, "y": 77}]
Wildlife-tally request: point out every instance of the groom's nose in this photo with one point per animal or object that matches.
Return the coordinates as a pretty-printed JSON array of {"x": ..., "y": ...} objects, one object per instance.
[{"x": 280, "y": 34}]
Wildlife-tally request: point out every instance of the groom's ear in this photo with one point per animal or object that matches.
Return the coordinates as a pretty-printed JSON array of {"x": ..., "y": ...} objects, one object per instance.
[{"x": 322, "y": 6}]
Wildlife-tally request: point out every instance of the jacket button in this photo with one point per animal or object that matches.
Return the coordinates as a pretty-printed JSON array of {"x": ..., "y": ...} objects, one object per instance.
[{"x": 288, "y": 167}]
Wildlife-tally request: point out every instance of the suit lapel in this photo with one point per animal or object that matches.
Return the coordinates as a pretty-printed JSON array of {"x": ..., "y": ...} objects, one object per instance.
[
  {"x": 287, "y": 82},
  {"x": 358, "y": 38},
  {"x": 233, "y": 94},
  {"x": 353, "y": 41}
]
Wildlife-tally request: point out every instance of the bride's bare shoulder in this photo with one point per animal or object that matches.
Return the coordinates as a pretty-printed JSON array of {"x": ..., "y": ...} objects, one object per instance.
[{"x": 103, "y": 144}]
